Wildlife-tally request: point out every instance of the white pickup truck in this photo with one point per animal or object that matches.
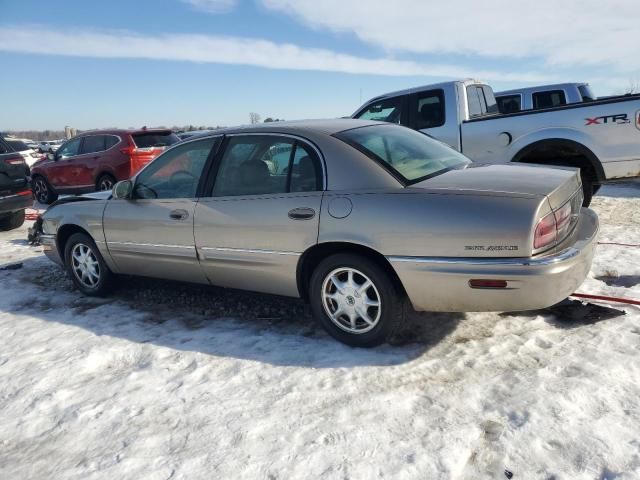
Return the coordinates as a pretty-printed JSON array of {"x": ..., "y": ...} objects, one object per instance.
[{"x": 602, "y": 137}]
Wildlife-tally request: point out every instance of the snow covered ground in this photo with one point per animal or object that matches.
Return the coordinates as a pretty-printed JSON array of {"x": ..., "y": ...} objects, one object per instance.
[{"x": 170, "y": 381}]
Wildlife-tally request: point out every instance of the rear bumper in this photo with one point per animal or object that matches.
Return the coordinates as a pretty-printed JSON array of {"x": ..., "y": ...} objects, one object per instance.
[
  {"x": 50, "y": 248},
  {"x": 16, "y": 201},
  {"x": 442, "y": 284}
]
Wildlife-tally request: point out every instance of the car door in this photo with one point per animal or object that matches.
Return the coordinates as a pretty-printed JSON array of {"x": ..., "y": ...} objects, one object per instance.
[
  {"x": 60, "y": 171},
  {"x": 83, "y": 166},
  {"x": 262, "y": 212},
  {"x": 151, "y": 234}
]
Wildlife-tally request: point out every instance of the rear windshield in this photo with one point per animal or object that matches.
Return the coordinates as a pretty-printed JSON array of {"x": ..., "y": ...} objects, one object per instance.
[
  {"x": 155, "y": 139},
  {"x": 17, "y": 145},
  {"x": 411, "y": 155},
  {"x": 586, "y": 93}
]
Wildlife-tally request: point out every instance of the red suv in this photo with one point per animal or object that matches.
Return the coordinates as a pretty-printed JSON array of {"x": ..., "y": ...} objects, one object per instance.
[{"x": 96, "y": 160}]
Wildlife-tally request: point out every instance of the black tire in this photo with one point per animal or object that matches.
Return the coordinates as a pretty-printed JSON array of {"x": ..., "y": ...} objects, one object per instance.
[
  {"x": 588, "y": 188},
  {"x": 12, "y": 221},
  {"x": 105, "y": 182},
  {"x": 388, "y": 321},
  {"x": 93, "y": 285},
  {"x": 42, "y": 190}
]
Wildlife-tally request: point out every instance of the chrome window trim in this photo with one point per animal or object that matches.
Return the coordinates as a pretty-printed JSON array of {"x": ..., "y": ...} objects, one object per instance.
[
  {"x": 135, "y": 244},
  {"x": 99, "y": 135}
]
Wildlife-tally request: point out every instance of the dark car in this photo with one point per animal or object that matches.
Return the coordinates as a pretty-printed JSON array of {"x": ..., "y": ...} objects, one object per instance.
[
  {"x": 15, "y": 194},
  {"x": 96, "y": 160}
]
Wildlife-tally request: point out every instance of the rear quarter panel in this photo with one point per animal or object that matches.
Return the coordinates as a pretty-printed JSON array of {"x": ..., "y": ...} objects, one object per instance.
[{"x": 410, "y": 223}]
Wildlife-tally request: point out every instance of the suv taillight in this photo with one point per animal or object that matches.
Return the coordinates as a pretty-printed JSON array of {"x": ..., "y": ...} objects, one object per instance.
[{"x": 15, "y": 160}]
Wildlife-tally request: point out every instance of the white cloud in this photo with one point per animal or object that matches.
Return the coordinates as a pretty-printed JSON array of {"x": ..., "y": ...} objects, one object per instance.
[
  {"x": 561, "y": 32},
  {"x": 226, "y": 50},
  {"x": 212, "y": 6}
]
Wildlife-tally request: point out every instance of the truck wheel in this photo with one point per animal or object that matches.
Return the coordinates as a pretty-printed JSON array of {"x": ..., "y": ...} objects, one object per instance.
[
  {"x": 355, "y": 301},
  {"x": 43, "y": 191},
  {"x": 12, "y": 221},
  {"x": 105, "y": 182},
  {"x": 85, "y": 266}
]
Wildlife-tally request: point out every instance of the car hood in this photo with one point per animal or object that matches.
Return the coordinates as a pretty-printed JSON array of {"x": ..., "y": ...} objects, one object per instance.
[{"x": 558, "y": 184}]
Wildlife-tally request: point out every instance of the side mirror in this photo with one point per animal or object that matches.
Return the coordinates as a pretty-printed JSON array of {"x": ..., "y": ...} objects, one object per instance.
[
  {"x": 123, "y": 190},
  {"x": 51, "y": 156}
]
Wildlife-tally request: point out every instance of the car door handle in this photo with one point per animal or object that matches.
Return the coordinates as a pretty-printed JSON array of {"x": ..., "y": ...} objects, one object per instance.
[
  {"x": 179, "y": 214},
  {"x": 302, "y": 213}
]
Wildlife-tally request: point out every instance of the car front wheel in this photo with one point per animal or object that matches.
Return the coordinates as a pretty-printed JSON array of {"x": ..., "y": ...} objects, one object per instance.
[
  {"x": 355, "y": 300},
  {"x": 43, "y": 191},
  {"x": 85, "y": 265}
]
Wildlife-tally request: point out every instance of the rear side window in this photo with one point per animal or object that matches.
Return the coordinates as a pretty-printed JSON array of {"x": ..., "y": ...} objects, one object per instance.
[
  {"x": 93, "y": 143},
  {"x": 389, "y": 110},
  {"x": 17, "y": 145},
  {"x": 550, "y": 99},
  {"x": 260, "y": 165},
  {"x": 509, "y": 103},
  {"x": 154, "y": 139},
  {"x": 481, "y": 100},
  {"x": 429, "y": 110},
  {"x": 3, "y": 148},
  {"x": 110, "y": 141}
]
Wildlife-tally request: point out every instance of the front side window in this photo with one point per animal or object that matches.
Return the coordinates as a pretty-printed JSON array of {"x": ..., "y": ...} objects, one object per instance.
[
  {"x": 389, "y": 110},
  {"x": 550, "y": 99},
  {"x": 430, "y": 110},
  {"x": 70, "y": 148},
  {"x": 93, "y": 143},
  {"x": 265, "y": 164},
  {"x": 408, "y": 154},
  {"x": 176, "y": 173}
]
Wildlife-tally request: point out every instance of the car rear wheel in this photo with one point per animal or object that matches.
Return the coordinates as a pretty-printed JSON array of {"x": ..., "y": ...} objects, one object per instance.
[
  {"x": 355, "y": 300},
  {"x": 86, "y": 267},
  {"x": 12, "y": 221},
  {"x": 43, "y": 191},
  {"x": 105, "y": 183}
]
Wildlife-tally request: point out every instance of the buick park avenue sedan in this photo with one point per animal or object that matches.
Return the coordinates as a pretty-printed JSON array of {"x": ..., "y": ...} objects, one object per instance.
[{"x": 353, "y": 216}]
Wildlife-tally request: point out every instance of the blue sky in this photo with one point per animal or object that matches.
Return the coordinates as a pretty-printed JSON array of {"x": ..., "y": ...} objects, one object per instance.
[{"x": 92, "y": 64}]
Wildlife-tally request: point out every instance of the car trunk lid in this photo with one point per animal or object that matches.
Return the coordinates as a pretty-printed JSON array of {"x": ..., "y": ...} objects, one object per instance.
[{"x": 557, "y": 184}]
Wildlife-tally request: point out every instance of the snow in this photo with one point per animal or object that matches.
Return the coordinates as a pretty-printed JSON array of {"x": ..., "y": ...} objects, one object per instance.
[{"x": 164, "y": 380}]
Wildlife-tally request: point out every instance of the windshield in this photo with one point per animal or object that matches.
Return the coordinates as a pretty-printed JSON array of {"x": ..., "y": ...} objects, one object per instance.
[{"x": 411, "y": 155}]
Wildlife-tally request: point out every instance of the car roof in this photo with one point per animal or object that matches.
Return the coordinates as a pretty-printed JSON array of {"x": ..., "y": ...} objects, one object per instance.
[
  {"x": 122, "y": 131},
  {"x": 301, "y": 127}
]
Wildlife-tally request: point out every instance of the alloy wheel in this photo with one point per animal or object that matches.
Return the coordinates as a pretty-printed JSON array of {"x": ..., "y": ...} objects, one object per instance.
[
  {"x": 351, "y": 300},
  {"x": 85, "y": 265},
  {"x": 105, "y": 184},
  {"x": 41, "y": 190}
]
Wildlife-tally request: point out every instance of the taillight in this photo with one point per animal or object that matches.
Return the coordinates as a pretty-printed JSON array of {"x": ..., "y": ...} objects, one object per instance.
[
  {"x": 14, "y": 161},
  {"x": 545, "y": 233}
]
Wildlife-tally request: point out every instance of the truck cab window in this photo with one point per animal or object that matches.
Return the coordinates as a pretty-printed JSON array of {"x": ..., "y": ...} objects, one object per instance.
[{"x": 550, "y": 99}]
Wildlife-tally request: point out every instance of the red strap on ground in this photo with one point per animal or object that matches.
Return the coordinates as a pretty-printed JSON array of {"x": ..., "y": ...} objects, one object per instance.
[{"x": 607, "y": 299}]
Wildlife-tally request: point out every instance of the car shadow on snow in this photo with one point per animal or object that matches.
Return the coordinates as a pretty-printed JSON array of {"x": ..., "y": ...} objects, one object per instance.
[
  {"x": 210, "y": 320},
  {"x": 621, "y": 189},
  {"x": 570, "y": 314}
]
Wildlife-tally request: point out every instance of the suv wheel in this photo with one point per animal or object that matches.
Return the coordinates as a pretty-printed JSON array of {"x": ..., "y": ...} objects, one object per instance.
[
  {"x": 43, "y": 191},
  {"x": 86, "y": 266},
  {"x": 14, "y": 220},
  {"x": 105, "y": 182},
  {"x": 355, "y": 301}
]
